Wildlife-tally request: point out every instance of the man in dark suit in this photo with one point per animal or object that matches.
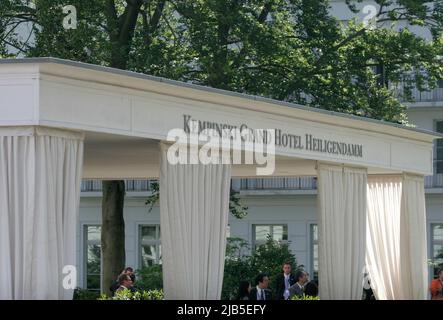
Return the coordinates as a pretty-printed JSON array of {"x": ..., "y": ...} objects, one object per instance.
[
  {"x": 261, "y": 291},
  {"x": 298, "y": 288},
  {"x": 284, "y": 281}
]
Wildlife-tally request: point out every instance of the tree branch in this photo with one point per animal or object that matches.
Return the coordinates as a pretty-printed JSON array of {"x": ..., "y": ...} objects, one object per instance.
[
  {"x": 112, "y": 19},
  {"x": 264, "y": 13},
  {"x": 14, "y": 45},
  {"x": 153, "y": 21},
  {"x": 128, "y": 21}
]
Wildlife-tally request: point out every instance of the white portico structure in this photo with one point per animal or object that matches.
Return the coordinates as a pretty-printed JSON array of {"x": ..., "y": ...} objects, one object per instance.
[{"x": 61, "y": 121}]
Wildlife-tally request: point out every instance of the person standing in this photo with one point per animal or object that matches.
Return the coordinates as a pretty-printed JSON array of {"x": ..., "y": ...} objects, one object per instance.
[
  {"x": 298, "y": 288},
  {"x": 116, "y": 284},
  {"x": 261, "y": 291},
  {"x": 284, "y": 281},
  {"x": 244, "y": 290},
  {"x": 436, "y": 287},
  {"x": 125, "y": 282}
]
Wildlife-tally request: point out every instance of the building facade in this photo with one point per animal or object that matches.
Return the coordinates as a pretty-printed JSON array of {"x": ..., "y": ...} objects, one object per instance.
[{"x": 283, "y": 207}]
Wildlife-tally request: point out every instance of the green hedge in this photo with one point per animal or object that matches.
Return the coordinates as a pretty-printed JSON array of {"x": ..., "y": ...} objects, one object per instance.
[{"x": 126, "y": 294}]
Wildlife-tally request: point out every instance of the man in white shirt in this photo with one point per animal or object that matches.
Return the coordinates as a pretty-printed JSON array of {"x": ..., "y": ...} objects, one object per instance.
[
  {"x": 261, "y": 291},
  {"x": 284, "y": 281}
]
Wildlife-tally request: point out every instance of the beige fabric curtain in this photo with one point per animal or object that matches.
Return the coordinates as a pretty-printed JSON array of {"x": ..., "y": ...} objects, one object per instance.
[
  {"x": 413, "y": 252},
  {"x": 194, "y": 205},
  {"x": 383, "y": 241},
  {"x": 341, "y": 231},
  {"x": 396, "y": 252},
  {"x": 40, "y": 172}
]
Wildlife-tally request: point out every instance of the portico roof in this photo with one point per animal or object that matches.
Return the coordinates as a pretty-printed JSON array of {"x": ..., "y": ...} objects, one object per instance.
[{"x": 124, "y": 113}]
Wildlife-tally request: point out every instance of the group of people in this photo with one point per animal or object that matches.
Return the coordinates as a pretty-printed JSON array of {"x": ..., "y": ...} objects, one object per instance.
[{"x": 287, "y": 286}]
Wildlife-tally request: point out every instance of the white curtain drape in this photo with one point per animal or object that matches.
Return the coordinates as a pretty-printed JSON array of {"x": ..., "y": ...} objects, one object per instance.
[
  {"x": 194, "y": 205},
  {"x": 40, "y": 172},
  {"x": 396, "y": 256},
  {"x": 413, "y": 252},
  {"x": 383, "y": 241},
  {"x": 341, "y": 231}
]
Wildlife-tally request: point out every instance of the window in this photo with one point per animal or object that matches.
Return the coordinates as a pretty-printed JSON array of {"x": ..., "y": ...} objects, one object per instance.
[
  {"x": 275, "y": 232},
  {"x": 314, "y": 250},
  {"x": 150, "y": 245},
  {"x": 437, "y": 246},
  {"x": 439, "y": 149},
  {"x": 92, "y": 236}
]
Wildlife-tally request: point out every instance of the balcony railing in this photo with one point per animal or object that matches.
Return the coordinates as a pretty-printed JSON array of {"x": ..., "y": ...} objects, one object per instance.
[
  {"x": 434, "y": 181},
  {"x": 427, "y": 96},
  {"x": 274, "y": 183},
  {"x": 435, "y": 94},
  {"x": 130, "y": 185},
  {"x": 279, "y": 183}
]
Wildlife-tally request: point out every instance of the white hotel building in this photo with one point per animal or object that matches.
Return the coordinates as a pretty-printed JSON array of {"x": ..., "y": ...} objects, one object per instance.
[{"x": 285, "y": 208}]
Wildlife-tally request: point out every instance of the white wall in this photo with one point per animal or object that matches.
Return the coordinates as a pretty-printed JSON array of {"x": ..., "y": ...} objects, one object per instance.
[
  {"x": 424, "y": 117},
  {"x": 297, "y": 211}
]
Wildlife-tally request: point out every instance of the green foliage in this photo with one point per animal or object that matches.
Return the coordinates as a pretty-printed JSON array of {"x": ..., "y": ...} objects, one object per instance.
[
  {"x": 240, "y": 265},
  {"x": 150, "y": 278},
  {"x": 154, "y": 197},
  {"x": 305, "y": 297},
  {"x": 126, "y": 294},
  {"x": 295, "y": 51},
  {"x": 237, "y": 267},
  {"x": 269, "y": 258},
  {"x": 291, "y": 50},
  {"x": 85, "y": 294},
  {"x": 236, "y": 207}
]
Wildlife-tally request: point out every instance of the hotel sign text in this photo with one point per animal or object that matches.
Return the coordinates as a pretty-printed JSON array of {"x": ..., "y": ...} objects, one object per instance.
[{"x": 282, "y": 139}]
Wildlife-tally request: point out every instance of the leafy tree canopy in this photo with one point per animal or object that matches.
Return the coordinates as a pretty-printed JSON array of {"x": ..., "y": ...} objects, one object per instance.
[{"x": 291, "y": 50}]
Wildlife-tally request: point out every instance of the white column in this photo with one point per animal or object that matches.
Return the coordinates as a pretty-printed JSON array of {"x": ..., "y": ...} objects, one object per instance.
[
  {"x": 341, "y": 231},
  {"x": 396, "y": 252},
  {"x": 194, "y": 205},
  {"x": 40, "y": 172}
]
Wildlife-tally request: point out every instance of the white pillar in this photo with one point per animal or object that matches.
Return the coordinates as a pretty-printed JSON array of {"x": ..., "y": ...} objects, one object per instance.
[
  {"x": 341, "y": 231},
  {"x": 194, "y": 205},
  {"x": 40, "y": 172}
]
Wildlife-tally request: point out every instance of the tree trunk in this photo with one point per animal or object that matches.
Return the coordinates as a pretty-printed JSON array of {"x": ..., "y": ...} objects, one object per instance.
[
  {"x": 121, "y": 33},
  {"x": 113, "y": 232}
]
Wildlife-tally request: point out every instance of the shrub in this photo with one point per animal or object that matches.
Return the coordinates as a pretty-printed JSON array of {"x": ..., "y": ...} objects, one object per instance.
[
  {"x": 85, "y": 294},
  {"x": 241, "y": 265},
  {"x": 305, "y": 297},
  {"x": 126, "y": 294},
  {"x": 269, "y": 258},
  {"x": 150, "y": 278},
  {"x": 237, "y": 267}
]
